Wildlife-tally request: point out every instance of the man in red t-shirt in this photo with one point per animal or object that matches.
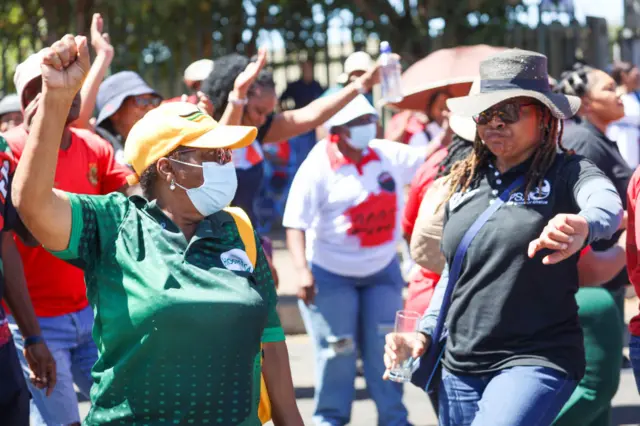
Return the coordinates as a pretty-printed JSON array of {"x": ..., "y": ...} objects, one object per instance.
[
  {"x": 633, "y": 266},
  {"x": 86, "y": 165}
]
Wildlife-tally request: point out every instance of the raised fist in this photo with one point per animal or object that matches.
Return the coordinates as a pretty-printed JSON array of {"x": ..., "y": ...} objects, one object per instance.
[{"x": 65, "y": 65}]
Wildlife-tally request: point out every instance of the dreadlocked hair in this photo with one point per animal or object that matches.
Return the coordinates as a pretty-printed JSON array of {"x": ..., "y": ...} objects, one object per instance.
[
  {"x": 464, "y": 173},
  {"x": 457, "y": 151}
]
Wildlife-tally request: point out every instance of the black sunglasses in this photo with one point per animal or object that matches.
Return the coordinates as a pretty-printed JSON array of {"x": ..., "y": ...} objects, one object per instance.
[{"x": 508, "y": 113}]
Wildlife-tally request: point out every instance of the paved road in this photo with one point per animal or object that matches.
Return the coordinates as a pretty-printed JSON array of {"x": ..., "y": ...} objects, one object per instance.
[{"x": 626, "y": 402}]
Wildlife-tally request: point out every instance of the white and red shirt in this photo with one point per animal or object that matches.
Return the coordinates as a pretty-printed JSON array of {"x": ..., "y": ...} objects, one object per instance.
[{"x": 351, "y": 212}]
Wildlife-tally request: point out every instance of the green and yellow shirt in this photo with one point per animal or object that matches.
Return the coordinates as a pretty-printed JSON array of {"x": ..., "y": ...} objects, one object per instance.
[{"x": 178, "y": 323}]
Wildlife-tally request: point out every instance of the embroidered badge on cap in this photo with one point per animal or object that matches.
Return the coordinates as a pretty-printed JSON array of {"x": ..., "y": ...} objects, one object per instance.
[{"x": 236, "y": 260}]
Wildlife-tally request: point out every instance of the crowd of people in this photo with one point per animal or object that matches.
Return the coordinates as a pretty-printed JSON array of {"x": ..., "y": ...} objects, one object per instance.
[{"x": 134, "y": 267}]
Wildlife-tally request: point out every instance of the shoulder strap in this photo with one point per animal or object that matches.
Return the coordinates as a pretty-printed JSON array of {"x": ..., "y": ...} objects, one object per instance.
[
  {"x": 461, "y": 251},
  {"x": 245, "y": 229}
]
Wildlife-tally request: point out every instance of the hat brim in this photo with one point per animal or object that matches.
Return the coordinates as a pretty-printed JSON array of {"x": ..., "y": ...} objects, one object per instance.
[
  {"x": 232, "y": 137},
  {"x": 464, "y": 127},
  {"x": 561, "y": 106},
  {"x": 118, "y": 100}
]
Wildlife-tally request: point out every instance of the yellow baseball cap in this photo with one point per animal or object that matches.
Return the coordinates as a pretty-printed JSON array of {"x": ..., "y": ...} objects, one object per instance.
[{"x": 176, "y": 124}]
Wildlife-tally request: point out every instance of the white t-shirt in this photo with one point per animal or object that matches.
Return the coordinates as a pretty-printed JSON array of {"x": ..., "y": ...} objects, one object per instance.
[
  {"x": 351, "y": 213},
  {"x": 420, "y": 139},
  {"x": 626, "y": 131}
]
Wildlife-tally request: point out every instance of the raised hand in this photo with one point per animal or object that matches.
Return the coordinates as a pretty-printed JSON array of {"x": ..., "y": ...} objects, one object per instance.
[
  {"x": 246, "y": 78},
  {"x": 65, "y": 65},
  {"x": 565, "y": 234},
  {"x": 100, "y": 41}
]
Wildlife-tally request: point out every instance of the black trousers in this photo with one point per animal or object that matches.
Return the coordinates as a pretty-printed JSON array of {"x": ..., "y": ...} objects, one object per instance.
[{"x": 14, "y": 394}]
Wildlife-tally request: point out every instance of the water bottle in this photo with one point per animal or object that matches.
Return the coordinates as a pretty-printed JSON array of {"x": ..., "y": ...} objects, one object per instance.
[{"x": 390, "y": 78}]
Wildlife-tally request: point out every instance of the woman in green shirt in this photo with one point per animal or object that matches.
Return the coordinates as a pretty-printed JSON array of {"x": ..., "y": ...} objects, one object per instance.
[{"x": 180, "y": 309}]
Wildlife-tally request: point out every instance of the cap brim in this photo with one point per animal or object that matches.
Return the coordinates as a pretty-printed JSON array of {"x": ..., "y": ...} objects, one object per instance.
[
  {"x": 561, "y": 106},
  {"x": 118, "y": 100},
  {"x": 232, "y": 137}
]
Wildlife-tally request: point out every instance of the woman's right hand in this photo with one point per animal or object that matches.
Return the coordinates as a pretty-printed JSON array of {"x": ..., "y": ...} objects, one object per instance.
[
  {"x": 395, "y": 349},
  {"x": 246, "y": 78},
  {"x": 307, "y": 287},
  {"x": 65, "y": 65}
]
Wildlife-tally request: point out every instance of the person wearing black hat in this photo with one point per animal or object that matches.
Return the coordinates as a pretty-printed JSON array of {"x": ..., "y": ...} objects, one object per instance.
[
  {"x": 123, "y": 99},
  {"x": 512, "y": 317}
]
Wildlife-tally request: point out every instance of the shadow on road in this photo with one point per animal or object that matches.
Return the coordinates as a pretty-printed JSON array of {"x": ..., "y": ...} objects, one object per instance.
[
  {"x": 307, "y": 393},
  {"x": 625, "y": 415}
]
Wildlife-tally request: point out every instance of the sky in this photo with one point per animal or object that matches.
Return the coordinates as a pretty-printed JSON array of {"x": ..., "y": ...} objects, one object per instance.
[{"x": 612, "y": 10}]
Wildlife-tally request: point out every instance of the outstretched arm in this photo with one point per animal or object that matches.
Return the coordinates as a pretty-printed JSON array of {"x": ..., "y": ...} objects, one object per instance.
[{"x": 46, "y": 212}]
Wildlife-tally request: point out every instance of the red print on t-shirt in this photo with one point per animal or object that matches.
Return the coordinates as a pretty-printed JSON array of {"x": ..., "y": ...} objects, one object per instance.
[{"x": 373, "y": 221}]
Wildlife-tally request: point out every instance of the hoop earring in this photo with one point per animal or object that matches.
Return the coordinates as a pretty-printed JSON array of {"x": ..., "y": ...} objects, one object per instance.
[{"x": 172, "y": 185}]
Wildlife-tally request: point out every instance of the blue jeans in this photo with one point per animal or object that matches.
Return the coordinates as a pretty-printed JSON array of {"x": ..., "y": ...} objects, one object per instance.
[
  {"x": 69, "y": 340},
  {"x": 355, "y": 314},
  {"x": 634, "y": 354},
  {"x": 525, "y": 396}
]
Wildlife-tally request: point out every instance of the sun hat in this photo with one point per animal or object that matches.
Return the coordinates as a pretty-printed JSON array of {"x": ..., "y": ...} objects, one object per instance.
[
  {"x": 462, "y": 126},
  {"x": 10, "y": 103},
  {"x": 198, "y": 70},
  {"x": 26, "y": 72},
  {"x": 511, "y": 74},
  {"x": 176, "y": 124},
  {"x": 115, "y": 89},
  {"x": 357, "y": 61},
  {"x": 358, "y": 107}
]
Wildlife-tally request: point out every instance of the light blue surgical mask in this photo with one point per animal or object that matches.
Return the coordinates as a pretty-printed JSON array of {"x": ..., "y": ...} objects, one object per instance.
[
  {"x": 217, "y": 190},
  {"x": 362, "y": 135}
]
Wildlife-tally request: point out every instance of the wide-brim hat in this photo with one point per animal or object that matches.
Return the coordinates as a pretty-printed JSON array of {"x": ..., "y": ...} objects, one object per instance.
[
  {"x": 10, "y": 103},
  {"x": 463, "y": 126},
  {"x": 115, "y": 89},
  {"x": 511, "y": 74}
]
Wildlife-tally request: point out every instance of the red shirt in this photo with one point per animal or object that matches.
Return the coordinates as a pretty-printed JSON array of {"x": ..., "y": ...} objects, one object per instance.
[
  {"x": 413, "y": 126},
  {"x": 423, "y": 179},
  {"x": 423, "y": 282},
  {"x": 86, "y": 167},
  {"x": 633, "y": 236}
]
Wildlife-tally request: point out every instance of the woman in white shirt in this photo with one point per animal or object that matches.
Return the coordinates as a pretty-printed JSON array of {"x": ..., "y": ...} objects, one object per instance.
[{"x": 343, "y": 225}]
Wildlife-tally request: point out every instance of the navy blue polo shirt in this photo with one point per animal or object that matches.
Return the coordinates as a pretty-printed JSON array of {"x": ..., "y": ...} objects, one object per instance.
[{"x": 508, "y": 310}]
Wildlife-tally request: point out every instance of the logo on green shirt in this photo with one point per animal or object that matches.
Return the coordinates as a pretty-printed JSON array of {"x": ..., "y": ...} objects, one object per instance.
[{"x": 236, "y": 260}]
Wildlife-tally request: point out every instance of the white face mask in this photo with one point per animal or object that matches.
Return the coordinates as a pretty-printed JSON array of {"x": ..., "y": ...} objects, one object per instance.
[
  {"x": 218, "y": 189},
  {"x": 362, "y": 135}
]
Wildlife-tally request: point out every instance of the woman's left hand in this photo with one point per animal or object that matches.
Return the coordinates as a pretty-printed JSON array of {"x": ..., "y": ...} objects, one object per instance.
[{"x": 565, "y": 234}]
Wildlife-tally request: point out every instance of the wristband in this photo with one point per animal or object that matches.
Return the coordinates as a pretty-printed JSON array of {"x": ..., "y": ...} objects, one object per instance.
[
  {"x": 236, "y": 101},
  {"x": 32, "y": 340}
]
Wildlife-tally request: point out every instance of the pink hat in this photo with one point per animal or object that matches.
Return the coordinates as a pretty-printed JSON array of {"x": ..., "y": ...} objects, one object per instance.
[{"x": 26, "y": 72}]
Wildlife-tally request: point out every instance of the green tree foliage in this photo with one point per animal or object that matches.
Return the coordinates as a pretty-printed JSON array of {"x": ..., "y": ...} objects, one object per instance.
[{"x": 162, "y": 36}]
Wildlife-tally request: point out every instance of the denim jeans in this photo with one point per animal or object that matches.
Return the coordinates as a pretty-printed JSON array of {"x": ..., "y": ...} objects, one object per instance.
[
  {"x": 516, "y": 396},
  {"x": 69, "y": 340},
  {"x": 634, "y": 354},
  {"x": 352, "y": 315}
]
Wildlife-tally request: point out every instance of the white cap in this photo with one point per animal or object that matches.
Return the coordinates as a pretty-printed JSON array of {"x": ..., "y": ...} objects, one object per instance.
[
  {"x": 26, "y": 72},
  {"x": 465, "y": 127},
  {"x": 357, "y": 61},
  {"x": 198, "y": 70},
  {"x": 356, "y": 108}
]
